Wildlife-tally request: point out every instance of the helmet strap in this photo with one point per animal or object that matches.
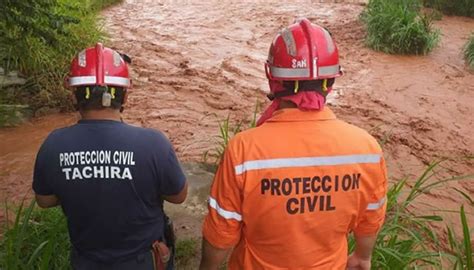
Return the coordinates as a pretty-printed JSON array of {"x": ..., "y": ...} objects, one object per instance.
[
  {"x": 88, "y": 93},
  {"x": 324, "y": 86},
  {"x": 294, "y": 87}
]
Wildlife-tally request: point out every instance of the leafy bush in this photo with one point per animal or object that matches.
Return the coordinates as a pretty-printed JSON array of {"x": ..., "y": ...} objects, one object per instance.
[
  {"x": 469, "y": 52},
  {"x": 38, "y": 38},
  {"x": 452, "y": 7},
  {"x": 398, "y": 27}
]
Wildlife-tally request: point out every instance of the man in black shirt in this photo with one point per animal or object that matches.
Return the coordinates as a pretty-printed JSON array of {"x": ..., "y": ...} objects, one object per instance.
[{"x": 110, "y": 178}]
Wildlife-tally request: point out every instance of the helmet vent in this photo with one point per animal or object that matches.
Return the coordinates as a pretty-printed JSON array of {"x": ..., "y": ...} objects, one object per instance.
[
  {"x": 289, "y": 40},
  {"x": 330, "y": 43}
]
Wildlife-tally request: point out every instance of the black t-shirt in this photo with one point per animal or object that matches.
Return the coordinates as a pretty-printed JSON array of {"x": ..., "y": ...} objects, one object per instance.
[{"x": 109, "y": 178}]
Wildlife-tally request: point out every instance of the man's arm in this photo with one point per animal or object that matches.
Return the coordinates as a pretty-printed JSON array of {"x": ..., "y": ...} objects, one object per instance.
[
  {"x": 370, "y": 222},
  {"x": 47, "y": 201},
  {"x": 222, "y": 226},
  {"x": 362, "y": 256},
  {"x": 178, "y": 198},
  {"x": 173, "y": 186},
  {"x": 212, "y": 257}
]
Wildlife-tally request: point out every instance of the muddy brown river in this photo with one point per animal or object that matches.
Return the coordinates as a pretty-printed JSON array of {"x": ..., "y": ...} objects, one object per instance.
[{"x": 195, "y": 62}]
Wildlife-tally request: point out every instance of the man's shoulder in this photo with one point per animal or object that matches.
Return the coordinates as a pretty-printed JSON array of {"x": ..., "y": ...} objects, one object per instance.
[
  {"x": 145, "y": 131},
  {"x": 246, "y": 135},
  {"x": 149, "y": 135},
  {"x": 58, "y": 133},
  {"x": 137, "y": 133},
  {"x": 350, "y": 134}
]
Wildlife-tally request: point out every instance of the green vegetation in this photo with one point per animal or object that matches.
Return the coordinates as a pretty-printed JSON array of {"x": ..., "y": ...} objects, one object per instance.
[
  {"x": 36, "y": 240},
  {"x": 398, "y": 27},
  {"x": 38, "y": 39},
  {"x": 452, "y": 7},
  {"x": 461, "y": 251},
  {"x": 186, "y": 253},
  {"x": 407, "y": 240},
  {"x": 227, "y": 130},
  {"x": 469, "y": 52}
]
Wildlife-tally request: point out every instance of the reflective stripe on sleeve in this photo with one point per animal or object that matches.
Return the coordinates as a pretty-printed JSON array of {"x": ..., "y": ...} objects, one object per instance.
[
  {"x": 376, "y": 205},
  {"x": 222, "y": 212},
  {"x": 305, "y": 162}
]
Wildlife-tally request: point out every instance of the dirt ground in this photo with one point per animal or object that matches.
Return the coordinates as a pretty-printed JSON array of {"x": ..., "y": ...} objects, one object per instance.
[{"x": 197, "y": 62}]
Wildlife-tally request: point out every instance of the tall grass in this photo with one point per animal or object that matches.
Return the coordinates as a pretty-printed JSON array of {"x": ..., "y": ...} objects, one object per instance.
[
  {"x": 36, "y": 240},
  {"x": 398, "y": 27},
  {"x": 452, "y": 7},
  {"x": 461, "y": 251},
  {"x": 469, "y": 52},
  {"x": 227, "y": 129},
  {"x": 407, "y": 239},
  {"x": 39, "y": 38}
]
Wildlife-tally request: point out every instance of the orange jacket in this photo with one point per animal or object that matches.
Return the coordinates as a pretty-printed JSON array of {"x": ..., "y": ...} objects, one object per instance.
[{"x": 287, "y": 193}]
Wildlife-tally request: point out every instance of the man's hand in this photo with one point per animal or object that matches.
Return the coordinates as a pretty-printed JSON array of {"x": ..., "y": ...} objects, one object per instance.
[
  {"x": 360, "y": 259},
  {"x": 47, "y": 201},
  {"x": 356, "y": 263}
]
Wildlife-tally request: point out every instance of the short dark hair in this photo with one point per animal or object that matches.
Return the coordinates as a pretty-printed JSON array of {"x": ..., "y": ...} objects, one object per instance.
[{"x": 90, "y": 97}]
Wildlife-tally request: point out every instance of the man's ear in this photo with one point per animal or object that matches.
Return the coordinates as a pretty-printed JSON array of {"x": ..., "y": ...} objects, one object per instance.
[
  {"x": 73, "y": 97},
  {"x": 125, "y": 97}
]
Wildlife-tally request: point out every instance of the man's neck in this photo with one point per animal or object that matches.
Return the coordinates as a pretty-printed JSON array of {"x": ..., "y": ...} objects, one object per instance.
[{"x": 106, "y": 114}]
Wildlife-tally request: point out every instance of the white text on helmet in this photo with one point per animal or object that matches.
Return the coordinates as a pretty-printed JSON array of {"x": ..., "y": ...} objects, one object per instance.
[{"x": 298, "y": 64}]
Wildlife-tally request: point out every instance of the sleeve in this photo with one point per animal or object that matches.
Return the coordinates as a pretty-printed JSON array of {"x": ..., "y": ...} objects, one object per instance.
[
  {"x": 372, "y": 217},
  {"x": 173, "y": 179},
  {"x": 222, "y": 225},
  {"x": 41, "y": 180}
]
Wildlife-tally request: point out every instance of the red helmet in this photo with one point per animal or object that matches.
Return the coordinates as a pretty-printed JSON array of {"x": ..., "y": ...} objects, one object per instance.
[
  {"x": 99, "y": 66},
  {"x": 303, "y": 51}
]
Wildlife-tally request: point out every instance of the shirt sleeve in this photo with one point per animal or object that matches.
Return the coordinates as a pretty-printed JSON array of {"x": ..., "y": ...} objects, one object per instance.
[
  {"x": 222, "y": 225},
  {"x": 173, "y": 178},
  {"x": 41, "y": 179},
  {"x": 373, "y": 215}
]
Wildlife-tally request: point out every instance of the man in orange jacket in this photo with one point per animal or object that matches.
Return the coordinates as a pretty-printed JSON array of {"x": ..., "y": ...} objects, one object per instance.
[{"x": 287, "y": 193}]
